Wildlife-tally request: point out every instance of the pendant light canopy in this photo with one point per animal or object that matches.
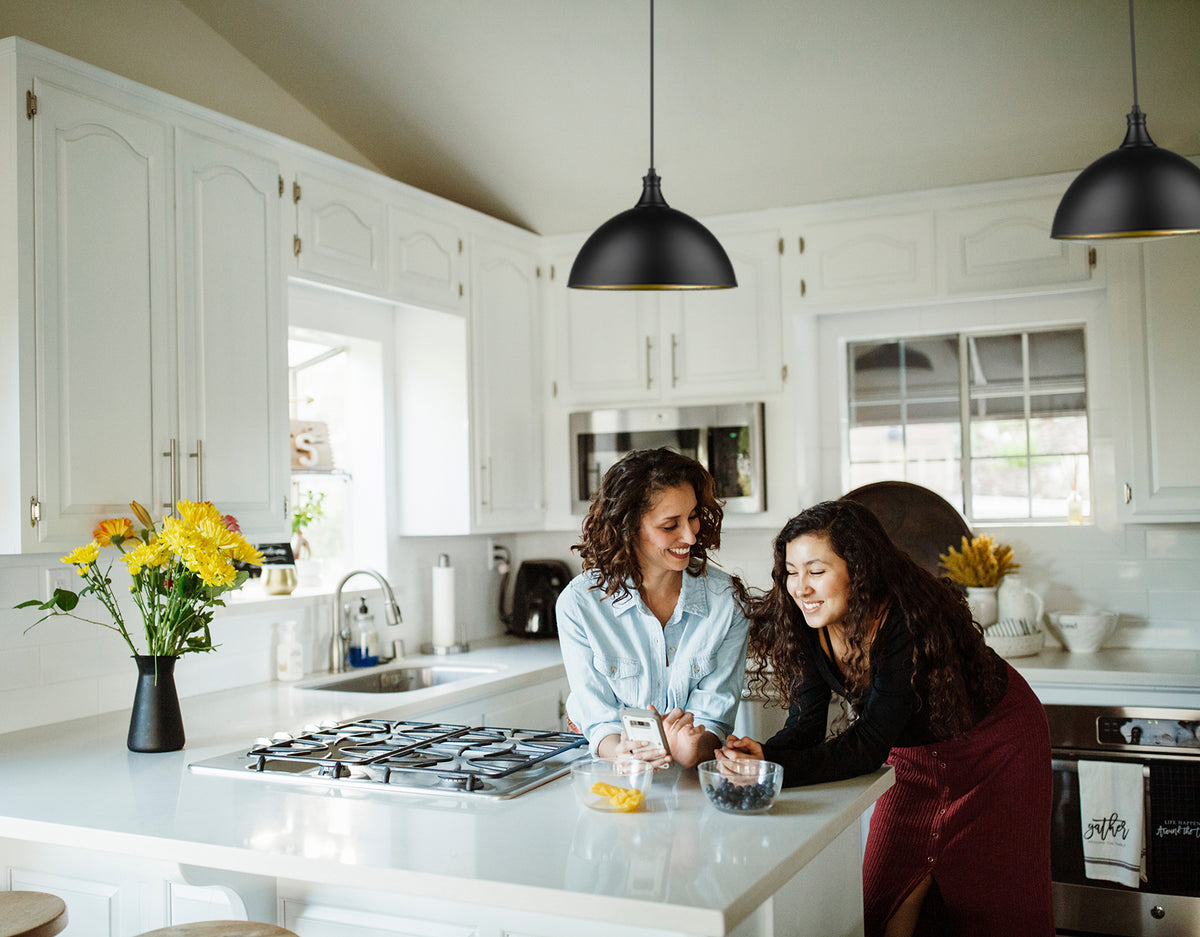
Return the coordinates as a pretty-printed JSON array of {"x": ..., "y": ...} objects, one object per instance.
[
  {"x": 652, "y": 246},
  {"x": 1137, "y": 191}
]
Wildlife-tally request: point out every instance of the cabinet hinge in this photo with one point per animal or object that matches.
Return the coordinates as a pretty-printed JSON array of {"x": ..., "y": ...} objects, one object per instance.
[
  {"x": 296, "y": 245},
  {"x": 30, "y": 104},
  {"x": 35, "y": 511},
  {"x": 1092, "y": 257},
  {"x": 281, "y": 186},
  {"x": 295, "y": 191},
  {"x": 800, "y": 242},
  {"x": 781, "y": 245}
]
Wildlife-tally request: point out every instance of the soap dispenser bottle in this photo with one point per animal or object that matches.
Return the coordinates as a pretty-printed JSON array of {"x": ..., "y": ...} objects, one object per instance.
[
  {"x": 364, "y": 642},
  {"x": 289, "y": 656}
]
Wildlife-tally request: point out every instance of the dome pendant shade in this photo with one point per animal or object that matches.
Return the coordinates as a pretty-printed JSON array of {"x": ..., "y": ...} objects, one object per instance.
[
  {"x": 1137, "y": 191},
  {"x": 652, "y": 247}
]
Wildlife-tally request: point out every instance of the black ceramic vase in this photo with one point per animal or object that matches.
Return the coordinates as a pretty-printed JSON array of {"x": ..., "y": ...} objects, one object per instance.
[{"x": 156, "y": 723}]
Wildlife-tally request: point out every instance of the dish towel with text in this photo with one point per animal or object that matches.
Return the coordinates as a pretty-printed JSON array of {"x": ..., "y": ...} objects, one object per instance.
[{"x": 1112, "y": 816}]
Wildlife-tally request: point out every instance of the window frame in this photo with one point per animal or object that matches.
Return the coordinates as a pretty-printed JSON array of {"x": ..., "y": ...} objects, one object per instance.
[{"x": 1004, "y": 315}]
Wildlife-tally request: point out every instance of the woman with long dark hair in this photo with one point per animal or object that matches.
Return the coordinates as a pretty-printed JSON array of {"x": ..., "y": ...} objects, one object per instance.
[
  {"x": 961, "y": 843},
  {"x": 649, "y": 622}
]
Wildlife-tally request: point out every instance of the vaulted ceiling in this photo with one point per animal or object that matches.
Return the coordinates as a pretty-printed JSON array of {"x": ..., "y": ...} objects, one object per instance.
[{"x": 537, "y": 111}]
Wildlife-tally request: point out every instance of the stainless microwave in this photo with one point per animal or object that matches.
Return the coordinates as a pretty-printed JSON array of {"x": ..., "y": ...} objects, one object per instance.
[{"x": 728, "y": 440}]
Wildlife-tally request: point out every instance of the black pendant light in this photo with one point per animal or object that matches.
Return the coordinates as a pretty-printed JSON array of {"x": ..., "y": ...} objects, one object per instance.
[
  {"x": 652, "y": 246},
  {"x": 1137, "y": 191}
]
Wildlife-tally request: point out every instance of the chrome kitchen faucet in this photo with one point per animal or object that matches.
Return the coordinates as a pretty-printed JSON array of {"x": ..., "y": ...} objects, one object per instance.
[{"x": 339, "y": 639}]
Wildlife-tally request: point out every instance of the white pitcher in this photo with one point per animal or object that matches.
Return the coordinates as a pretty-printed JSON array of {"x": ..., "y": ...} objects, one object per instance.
[{"x": 1016, "y": 600}]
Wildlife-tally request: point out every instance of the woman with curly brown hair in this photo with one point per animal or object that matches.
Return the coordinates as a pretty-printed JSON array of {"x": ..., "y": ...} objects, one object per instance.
[
  {"x": 648, "y": 623},
  {"x": 961, "y": 843}
]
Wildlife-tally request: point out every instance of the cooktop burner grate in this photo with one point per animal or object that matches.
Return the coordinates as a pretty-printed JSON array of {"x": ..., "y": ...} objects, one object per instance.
[{"x": 406, "y": 756}]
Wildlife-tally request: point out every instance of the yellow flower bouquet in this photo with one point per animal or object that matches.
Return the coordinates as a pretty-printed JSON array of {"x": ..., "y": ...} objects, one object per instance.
[
  {"x": 981, "y": 562},
  {"x": 179, "y": 571}
]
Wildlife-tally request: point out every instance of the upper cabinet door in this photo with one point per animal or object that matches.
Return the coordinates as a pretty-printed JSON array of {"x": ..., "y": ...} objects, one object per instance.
[
  {"x": 426, "y": 260},
  {"x": 341, "y": 233},
  {"x": 729, "y": 343},
  {"x": 868, "y": 261},
  {"x": 233, "y": 329},
  {"x": 1006, "y": 245},
  {"x": 1154, "y": 308},
  {"x": 104, "y": 378},
  {"x": 505, "y": 351},
  {"x": 608, "y": 342}
]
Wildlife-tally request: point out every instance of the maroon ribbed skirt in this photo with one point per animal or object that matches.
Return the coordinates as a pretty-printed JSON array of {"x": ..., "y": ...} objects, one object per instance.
[{"x": 975, "y": 813}]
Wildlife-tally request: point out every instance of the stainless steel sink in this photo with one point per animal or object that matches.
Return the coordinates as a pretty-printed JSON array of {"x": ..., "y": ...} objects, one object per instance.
[{"x": 399, "y": 679}]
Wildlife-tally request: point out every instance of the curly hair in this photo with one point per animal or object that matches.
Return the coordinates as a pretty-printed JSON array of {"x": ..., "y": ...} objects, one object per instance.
[
  {"x": 614, "y": 519},
  {"x": 954, "y": 672}
]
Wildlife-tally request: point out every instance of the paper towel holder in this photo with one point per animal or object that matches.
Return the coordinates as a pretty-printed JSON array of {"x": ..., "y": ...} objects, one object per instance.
[{"x": 443, "y": 568}]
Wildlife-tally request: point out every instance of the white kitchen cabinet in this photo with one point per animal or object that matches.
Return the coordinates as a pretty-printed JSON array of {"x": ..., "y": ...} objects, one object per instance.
[
  {"x": 340, "y": 231},
  {"x": 616, "y": 346},
  {"x": 1005, "y": 245},
  {"x": 233, "y": 333},
  {"x": 95, "y": 293},
  {"x": 506, "y": 391},
  {"x": 868, "y": 261},
  {"x": 147, "y": 327},
  {"x": 1154, "y": 295},
  {"x": 541, "y": 706},
  {"x": 426, "y": 259}
]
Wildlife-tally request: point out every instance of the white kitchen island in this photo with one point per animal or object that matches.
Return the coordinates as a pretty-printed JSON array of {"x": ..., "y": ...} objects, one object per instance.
[{"x": 141, "y": 832}]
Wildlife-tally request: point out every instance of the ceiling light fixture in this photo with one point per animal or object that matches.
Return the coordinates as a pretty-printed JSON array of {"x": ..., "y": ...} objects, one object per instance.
[
  {"x": 652, "y": 246},
  {"x": 1137, "y": 191}
]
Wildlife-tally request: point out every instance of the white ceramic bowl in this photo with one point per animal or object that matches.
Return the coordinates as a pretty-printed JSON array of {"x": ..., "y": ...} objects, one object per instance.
[
  {"x": 604, "y": 785},
  {"x": 1017, "y": 645},
  {"x": 1083, "y": 632},
  {"x": 745, "y": 785}
]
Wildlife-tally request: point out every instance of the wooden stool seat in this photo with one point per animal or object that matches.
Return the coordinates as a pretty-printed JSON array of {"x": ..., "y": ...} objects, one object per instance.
[
  {"x": 220, "y": 929},
  {"x": 31, "y": 914}
]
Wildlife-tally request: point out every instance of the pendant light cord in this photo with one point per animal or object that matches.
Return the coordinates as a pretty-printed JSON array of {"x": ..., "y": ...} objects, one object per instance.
[
  {"x": 652, "y": 82},
  {"x": 1132, "y": 55}
]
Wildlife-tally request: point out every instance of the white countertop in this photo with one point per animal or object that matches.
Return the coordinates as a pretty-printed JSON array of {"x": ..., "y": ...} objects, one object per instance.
[
  {"x": 710, "y": 869},
  {"x": 1114, "y": 676}
]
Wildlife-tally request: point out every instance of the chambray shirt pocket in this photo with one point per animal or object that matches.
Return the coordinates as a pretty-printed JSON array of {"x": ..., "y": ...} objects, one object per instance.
[{"x": 625, "y": 675}]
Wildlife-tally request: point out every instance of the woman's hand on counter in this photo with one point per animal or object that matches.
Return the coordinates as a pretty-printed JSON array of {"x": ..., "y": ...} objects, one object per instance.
[
  {"x": 690, "y": 743},
  {"x": 739, "y": 747}
]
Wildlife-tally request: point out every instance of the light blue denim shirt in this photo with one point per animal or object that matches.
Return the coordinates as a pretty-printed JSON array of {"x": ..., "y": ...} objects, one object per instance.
[{"x": 618, "y": 654}]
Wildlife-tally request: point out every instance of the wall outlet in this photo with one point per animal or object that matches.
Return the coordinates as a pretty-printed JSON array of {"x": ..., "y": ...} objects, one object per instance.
[
  {"x": 498, "y": 556},
  {"x": 59, "y": 579}
]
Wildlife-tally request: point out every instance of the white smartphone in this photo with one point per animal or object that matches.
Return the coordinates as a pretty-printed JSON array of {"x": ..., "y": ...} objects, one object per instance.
[{"x": 644, "y": 725}]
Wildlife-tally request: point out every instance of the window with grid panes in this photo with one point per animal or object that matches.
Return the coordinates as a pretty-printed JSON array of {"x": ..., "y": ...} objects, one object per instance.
[{"x": 996, "y": 423}]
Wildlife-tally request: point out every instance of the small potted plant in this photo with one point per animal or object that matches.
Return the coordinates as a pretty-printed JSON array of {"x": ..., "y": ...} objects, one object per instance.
[
  {"x": 979, "y": 565},
  {"x": 310, "y": 507}
]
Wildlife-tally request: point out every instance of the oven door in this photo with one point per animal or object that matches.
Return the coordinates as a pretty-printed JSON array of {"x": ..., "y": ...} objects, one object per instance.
[{"x": 1088, "y": 906}]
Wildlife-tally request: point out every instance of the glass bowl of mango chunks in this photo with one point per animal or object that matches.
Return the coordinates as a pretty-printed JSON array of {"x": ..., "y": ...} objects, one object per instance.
[{"x": 620, "y": 786}]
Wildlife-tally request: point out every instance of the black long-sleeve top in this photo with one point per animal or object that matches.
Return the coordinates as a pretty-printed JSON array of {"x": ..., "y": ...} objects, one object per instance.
[{"x": 889, "y": 713}]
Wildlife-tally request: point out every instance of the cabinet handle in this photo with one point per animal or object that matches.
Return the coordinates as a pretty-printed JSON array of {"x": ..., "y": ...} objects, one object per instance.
[
  {"x": 172, "y": 453},
  {"x": 198, "y": 455},
  {"x": 803, "y": 288},
  {"x": 674, "y": 346},
  {"x": 485, "y": 477},
  {"x": 1128, "y": 493},
  {"x": 649, "y": 379}
]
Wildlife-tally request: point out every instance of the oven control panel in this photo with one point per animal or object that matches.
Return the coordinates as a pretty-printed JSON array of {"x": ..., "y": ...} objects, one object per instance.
[{"x": 1148, "y": 732}]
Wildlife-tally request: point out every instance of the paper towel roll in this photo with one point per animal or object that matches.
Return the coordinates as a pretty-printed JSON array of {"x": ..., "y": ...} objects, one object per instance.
[{"x": 445, "y": 632}]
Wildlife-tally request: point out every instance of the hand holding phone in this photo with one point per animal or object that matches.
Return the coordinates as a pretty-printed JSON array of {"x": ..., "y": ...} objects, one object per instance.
[{"x": 644, "y": 725}]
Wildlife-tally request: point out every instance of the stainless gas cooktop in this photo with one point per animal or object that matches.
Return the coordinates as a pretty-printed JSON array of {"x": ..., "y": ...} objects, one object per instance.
[{"x": 405, "y": 757}]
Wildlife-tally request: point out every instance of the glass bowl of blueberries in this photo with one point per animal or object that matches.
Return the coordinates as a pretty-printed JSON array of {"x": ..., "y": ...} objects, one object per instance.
[{"x": 742, "y": 785}]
